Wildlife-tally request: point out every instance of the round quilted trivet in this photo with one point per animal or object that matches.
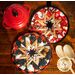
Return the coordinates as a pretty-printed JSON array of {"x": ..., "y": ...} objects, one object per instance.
[
  {"x": 51, "y": 22},
  {"x": 31, "y": 52}
]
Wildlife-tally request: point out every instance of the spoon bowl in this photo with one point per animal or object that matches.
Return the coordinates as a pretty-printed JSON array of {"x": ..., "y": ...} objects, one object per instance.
[{"x": 59, "y": 51}]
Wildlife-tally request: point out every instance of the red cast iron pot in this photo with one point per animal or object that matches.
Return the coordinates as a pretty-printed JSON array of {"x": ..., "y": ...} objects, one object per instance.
[{"x": 16, "y": 16}]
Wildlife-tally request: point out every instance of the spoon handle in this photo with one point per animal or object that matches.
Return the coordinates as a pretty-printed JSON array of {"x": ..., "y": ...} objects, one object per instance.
[
  {"x": 73, "y": 60},
  {"x": 72, "y": 70}
]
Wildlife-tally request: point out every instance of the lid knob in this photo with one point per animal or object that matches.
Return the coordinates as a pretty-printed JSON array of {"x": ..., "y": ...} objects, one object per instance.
[{"x": 14, "y": 12}]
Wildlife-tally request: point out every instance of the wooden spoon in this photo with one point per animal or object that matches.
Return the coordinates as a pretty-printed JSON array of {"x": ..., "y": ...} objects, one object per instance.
[
  {"x": 59, "y": 51},
  {"x": 68, "y": 51}
]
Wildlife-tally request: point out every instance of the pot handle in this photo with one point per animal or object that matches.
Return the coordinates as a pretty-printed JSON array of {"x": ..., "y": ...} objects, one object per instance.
[
  {"x": 6, "y": 27},
  {"x": 27, "y": 7},
  {"x": 1, "y": 13}
]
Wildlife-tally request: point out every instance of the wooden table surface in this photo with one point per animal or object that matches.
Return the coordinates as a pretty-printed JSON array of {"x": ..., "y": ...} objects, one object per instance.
[{"x": 7, "y": 37}]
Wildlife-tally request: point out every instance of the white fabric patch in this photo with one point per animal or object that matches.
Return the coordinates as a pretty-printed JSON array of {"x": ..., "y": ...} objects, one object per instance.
[
  {"x": 51, "y": 8},
  {"x": 22, "y": 45},
  {"x": 61, "y": 14},
  {"x": 40, "y": 15},
  {"x": 28, "y": 48},
  {"x": 59, "y": 25},
  {"x": 42, "y": 44},
  {"x": 45, "y": 7},
  {"x": 51, "y": 37},
  {"x": 47, "y": 61},
  {"x": 65, "y": 27},
  {"x": 28, "y": 40},
  {"x": 32, "y": 22},
  {"x": 57, "y": 10},
  {"x": 22, "y": 67},
  {"x": 54, "y": 41},
  {"x": 59, "y": 36},
  {"x": 30, "y": 68},
  {"x": 18, "y": 56},
  {"x": 33, "y": 18},
  {"x": 33, "y": 47},
  {"x": 63, "y": 33}
]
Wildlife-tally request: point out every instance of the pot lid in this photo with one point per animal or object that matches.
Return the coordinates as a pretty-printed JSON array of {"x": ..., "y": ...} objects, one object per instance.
[{"x": 15, "y": 15}]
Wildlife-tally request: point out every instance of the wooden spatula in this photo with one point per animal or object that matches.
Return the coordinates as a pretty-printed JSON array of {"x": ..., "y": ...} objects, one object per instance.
[
  {"x": 64, "y": 64},
  {"x": 68, "y": 51}
]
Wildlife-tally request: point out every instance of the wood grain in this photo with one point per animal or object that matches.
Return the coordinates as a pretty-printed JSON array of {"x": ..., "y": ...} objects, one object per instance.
[{"x": 7, "y": 37}]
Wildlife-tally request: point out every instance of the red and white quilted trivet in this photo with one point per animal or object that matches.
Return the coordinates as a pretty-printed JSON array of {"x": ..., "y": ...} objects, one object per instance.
[{"x": 51, "y": 22}]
